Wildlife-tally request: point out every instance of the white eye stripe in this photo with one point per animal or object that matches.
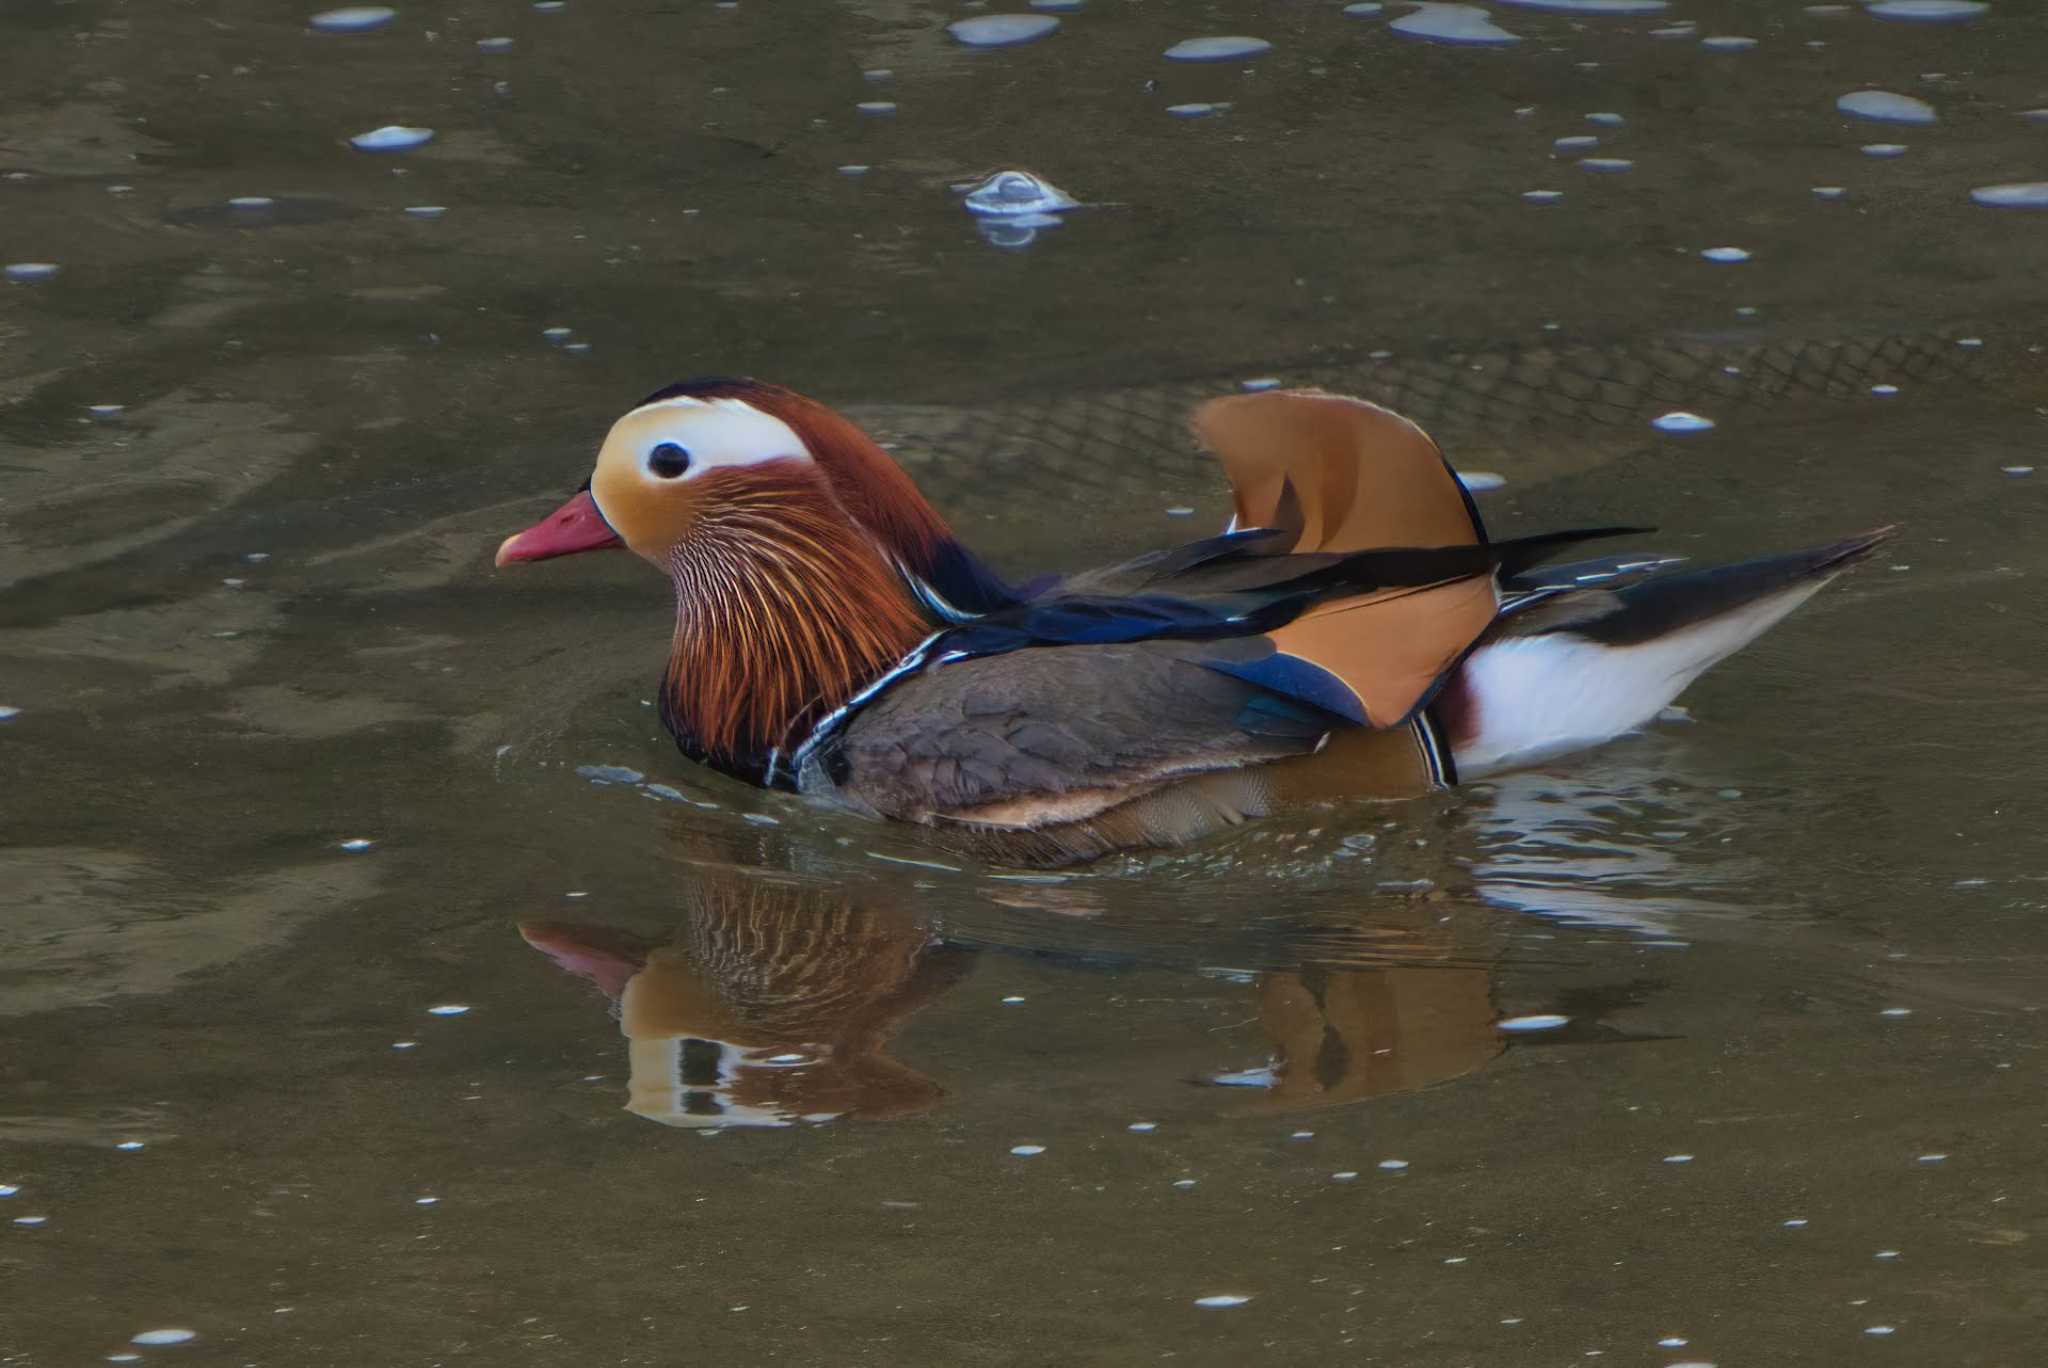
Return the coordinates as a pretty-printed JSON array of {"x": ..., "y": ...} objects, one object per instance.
[{"x": 718, "y": 434}]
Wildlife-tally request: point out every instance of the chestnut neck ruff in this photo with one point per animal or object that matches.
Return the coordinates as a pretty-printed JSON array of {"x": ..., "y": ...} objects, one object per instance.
[{"x": 785, "y": 610}]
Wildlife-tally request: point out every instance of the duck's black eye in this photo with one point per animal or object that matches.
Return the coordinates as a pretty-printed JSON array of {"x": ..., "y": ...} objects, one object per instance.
[{"x": 668, "y": 460}]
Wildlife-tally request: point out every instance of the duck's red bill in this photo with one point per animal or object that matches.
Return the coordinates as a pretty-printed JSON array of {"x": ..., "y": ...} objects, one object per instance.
[{"x": 575, "y": 526}]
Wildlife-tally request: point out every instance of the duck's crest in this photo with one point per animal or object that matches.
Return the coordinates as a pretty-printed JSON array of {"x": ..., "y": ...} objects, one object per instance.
[{"x": 872, "y": 488}]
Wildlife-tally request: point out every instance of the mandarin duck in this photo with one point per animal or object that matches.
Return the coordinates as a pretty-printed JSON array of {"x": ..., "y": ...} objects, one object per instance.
[{"x": 1352, "y": 634}]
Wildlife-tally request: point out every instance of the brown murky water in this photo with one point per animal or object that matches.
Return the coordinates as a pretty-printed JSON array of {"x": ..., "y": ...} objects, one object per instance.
[{"x": 738, "y": 1083}]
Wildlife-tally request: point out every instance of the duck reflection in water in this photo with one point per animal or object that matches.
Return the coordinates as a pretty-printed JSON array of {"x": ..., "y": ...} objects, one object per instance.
[
  {"x": 772, "y": 1004},
  {"x": 1345, "y": 1034}
]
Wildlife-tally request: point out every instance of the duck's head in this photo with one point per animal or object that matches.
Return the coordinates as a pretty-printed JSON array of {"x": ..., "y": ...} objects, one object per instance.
[
  {"x": 685, "y": 458},
  {"x": 805, "y": 562}
]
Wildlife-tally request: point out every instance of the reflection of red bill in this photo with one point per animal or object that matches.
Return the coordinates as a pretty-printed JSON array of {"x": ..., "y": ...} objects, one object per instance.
[
  {"x": 575, "y": 526},
  {"x": 588, "y": 952}
]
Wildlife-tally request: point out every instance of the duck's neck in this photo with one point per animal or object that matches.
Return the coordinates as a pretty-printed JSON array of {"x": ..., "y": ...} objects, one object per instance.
[{"x": 784, "y": 611}]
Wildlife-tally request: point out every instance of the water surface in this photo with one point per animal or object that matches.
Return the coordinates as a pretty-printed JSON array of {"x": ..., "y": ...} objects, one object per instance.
[{"x": 735, "y": 1080}]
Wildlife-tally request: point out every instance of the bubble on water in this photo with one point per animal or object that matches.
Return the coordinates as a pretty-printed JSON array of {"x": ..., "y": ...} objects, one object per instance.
[
  {"x": 1345, "y": 1176},
  {"x": 1224, "y": 48},
  {"x": 1725, "y": 254},
  {"x": 1884, "y": 149},
  {"x": 1002, "y": 30},
  {"x": 1929, "y": 11},
  {"x": 124, "y": 1358},
  {"x": 1578, "y": 142},
  {"x": 1880, "y": 1330},
  {"x": 31, "y": 1220},
  {"x": 1258, "y": 383},
  {"x": 1931, "y": 1158},
  {"x": 251, "y": 203},
  {"x": 1829, "y": 192},
  {"x": 1678, "y": 1158},
  {"x": 8, "y": 713},
  {"x": 760, "y": 819},
  {"x": 1606, "y": 120},
  {"x": 1220, "y": 1299},
  {"x": 1013, "y": 194},
  {"x": 1542, "y": 196},
  {"x": 1884, "y": 391},
  {"x": 1887, "y": 107},
  {"x": 1673, "y": 1342},
  {"x": 353, "y": 19},
  {"x": 1012, "y": 1000},
  {"x": 392, "y": 138},
  {"x": 9, "y": 1189},
  {"x": 1246, "y": 1078},
  {"x": 130, "y": 1146},
  {"x": 356, "y": 845},
  {"x": 1142, "y": 1127},
  {"x": 425, "y": 211},
  {"x": 1727, "y": 42},
  {"x": 1481, "y": 481},
  {"x": 1540, "y": 1021},
  {"x": 494, "y": 45},
  {"x": 24, "y": 272},
  {"x": 426, "y": 1201},
  {"x": 1302, "y": 1135},
  {"x": 1461, "y": 24},
  {"x": 2017, "y": 470},
  {"x": 1393, "y": 1165},
  {"x": 1886, "y": 1254},
  {"x": 1606, "y": 165},
  {"x": 876, "y": 108},
  {"x": 1060, "y": 6},
  {"x": 1197, "y": 110},
  {"x": 1365, "y": 9},
  {"x": 878, "y": 74},
  {"x": 2014, "y": 195},
  {"x": 405, "y": 1044},
  {"x": 169, "y": 1335},
  {"x": 1026, "y": 1151},
  {"x": 1455, "y": 1259},
  {"x": 448, "y": 1009},
  {"x": 854, "y": 169},
  {"x": 1796, "y": 1223},
  {"x": 1685, "y": 30},
  {"x": 557, "y": 335},
  {"x": 609, "y": 774},
  {"x": 1183, "y": 1183},
  {"x": 550, "y": 6}
]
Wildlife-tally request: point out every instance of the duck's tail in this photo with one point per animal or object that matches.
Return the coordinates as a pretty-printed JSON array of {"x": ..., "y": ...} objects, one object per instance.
[{"x": 1572, "y": 663}]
